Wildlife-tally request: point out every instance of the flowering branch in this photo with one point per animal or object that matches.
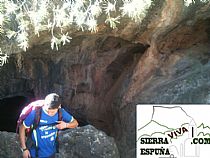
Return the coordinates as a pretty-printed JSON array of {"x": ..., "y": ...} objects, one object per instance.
[
  {"x": 3, "y": 58},
  {"x": 33, "y": 16}
]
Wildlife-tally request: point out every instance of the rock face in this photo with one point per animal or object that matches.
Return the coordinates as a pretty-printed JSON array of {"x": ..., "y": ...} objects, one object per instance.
[
  {"x": 102, "y": 77},
  {"x": 89, "y": 78},
  {"x": 9, "y": 146},
  {"x": 87, "y": 142},
  {"x": 81, "y": 142}
]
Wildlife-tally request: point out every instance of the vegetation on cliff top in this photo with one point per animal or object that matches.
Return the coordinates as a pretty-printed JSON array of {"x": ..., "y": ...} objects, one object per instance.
[{"x": 21, "y": 19}]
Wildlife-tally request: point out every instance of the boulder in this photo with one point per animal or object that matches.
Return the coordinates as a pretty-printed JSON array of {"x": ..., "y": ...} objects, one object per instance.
[
  {"x": 81, "y": 142},
  {"x": 87, "y": 142}
]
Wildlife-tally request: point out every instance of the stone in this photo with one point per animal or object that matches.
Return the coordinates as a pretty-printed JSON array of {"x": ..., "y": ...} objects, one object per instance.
[
  {"x": 87, "y": 142},
  {"x": 81, "y": 142}
]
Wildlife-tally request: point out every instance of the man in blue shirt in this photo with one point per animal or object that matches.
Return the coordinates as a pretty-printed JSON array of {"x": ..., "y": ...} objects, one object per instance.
[{"x": 44, "y": 136}]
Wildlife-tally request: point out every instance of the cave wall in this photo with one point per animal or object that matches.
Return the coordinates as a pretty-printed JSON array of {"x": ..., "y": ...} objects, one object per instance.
[{"x": 87, "y": 73}]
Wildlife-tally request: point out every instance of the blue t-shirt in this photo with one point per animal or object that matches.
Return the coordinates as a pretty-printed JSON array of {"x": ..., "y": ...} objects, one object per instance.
[{"x": 46, "y": 132}]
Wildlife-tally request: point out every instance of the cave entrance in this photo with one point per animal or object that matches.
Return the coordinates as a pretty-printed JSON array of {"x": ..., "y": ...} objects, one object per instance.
[{"x": 10, "y": 111}]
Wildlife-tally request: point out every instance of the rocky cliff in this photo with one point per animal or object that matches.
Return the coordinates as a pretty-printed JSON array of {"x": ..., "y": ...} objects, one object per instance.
[{"x": 102, "y": 76}]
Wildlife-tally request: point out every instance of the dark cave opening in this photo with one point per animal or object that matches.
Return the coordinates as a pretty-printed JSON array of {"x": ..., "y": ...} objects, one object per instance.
[
  {"x": 10, "y": 111},
  {"x": 78, "y": 115}
]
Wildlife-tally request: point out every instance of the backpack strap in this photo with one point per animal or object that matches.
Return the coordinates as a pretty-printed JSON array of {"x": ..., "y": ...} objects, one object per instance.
[
  {"x": 60, "y": 117},
  {"x": 36, "y": 121},
  {"x": 37, "y": 118}
]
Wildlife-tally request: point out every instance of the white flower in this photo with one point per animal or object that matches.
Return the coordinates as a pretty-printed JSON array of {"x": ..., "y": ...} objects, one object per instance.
[
  {"x": 22, "y": 36},
  {"x": 11, "y": 34},
  {"x": 23, "y": 45},
  {"x": 135, "y": 9},
  {"x": 55, "y": 42},
  {"x": 22, "y": 39},
  {"x": 23, "y": 25},
  {"x": 60, "y": 16},
  {"x": 187, "y": 2},
  {"x": 1, "y": 19},
  {"x": 112, "y": 22},
  {"x": 110, "y": 7},
  {"x": 10, "y": 7},
  {"x": 80, "y": 19},
  {"x": 3, "y": 58},
  {"x": 92, "y": 25},
  {"x": 95, "y": 10},
  {"x": 65, "y": 38},
  {"x": 49, "y": 24}
]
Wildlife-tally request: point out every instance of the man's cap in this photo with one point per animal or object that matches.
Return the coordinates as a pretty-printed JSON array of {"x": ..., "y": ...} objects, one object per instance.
[{"x": 52, "y": 100}]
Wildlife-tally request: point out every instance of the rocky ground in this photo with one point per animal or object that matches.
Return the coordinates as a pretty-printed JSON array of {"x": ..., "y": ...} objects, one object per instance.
[{"x": 82, "y": 142}]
